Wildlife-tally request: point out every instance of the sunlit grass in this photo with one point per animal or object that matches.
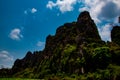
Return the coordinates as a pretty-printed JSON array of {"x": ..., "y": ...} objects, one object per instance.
[{"x": 18, "y": 79}]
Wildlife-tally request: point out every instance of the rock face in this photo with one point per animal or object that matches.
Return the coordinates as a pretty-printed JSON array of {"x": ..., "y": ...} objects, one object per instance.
[
  {"x": 82, "y": 30},
  {"x": 29, "y": 61},
  {"x": 75, "y": 49},
  {"x": 87, "y": 26},
  {"x": 115, "y": 35},
  {"x": 65, "y": 52}
]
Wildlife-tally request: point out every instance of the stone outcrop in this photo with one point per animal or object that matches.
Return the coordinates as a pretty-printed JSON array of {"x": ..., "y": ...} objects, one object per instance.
[{"x": 115, "y": 35}]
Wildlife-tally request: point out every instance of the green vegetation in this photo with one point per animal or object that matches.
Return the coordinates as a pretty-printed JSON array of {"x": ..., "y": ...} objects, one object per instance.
[
  {"x": 17, "y": 79},
  {"x": 75, "y": 52}
]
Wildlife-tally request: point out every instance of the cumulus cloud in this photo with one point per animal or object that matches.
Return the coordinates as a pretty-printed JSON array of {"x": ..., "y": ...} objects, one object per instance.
[
  {"x": 83, "y": 9},
  {"x": 5, "y": 58},
  {"x": 101, "y": 9},
  {"x": 110, "y": 10},
  {"x": 32, "y": 10},
  {"x": 105, "y": 32},
  {"x": 15, "y": 34},
  {"x": 62, "y": 5},
  {"x": 94, "y": 7},
  {"x": 50, "y": 4}
]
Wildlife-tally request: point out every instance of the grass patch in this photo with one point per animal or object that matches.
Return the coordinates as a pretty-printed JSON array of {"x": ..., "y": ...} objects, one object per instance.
[{"x": 18, "y": 79}]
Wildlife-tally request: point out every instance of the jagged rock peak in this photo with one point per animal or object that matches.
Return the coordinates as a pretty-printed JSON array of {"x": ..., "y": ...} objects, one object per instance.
[
  {"x": 115, "y": 35},
  {"x": 86, "y": 25},
  {"x": 29, "y": 54},
  {"x": 84, "y": 16}
]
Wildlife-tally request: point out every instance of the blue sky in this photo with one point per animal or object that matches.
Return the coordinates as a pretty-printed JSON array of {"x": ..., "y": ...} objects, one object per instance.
[{"x": 25, "y": 24}]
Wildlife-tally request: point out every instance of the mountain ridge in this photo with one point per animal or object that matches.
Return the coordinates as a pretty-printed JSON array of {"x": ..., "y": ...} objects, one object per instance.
[
  {"x": 76, "y": 48},
  {"x": 69, "y": 35}
]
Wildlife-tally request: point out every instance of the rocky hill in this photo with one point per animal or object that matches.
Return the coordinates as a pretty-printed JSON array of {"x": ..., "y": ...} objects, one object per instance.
[
  {"x": 115, "y": 35},
  {"x": 76, "y": 49}
]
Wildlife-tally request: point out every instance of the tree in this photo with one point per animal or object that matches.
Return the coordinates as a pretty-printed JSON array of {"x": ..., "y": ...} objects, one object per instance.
[{"x": 101, "y": 57}]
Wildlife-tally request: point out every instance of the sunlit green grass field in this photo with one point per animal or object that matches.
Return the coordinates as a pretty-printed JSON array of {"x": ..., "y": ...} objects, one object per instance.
[
  {"x": 18, "y": 79},
  {"x": 55, "y": 78}
]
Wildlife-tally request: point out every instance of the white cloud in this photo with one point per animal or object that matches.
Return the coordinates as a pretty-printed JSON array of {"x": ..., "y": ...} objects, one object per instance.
[
  {"x": 83, "y": 9},
  {"x": 40, "y": 44},
  {"x": 94, "y": 7},
  {"x": 62, "y": 5},
  {"x": 50, "y": 5},
  {"x": 4, "y": 55},
  {"x": 109, "y": 10},
  {"x": 15, "y": 34},
  {"x": 5, "y": 59},
  {"x": 33, "y": 10},
  {"x": 102, "y": 9},
  {"x": 99, "y": 9},
  {"x": 105, "y": 32},
  {"x": 117, "y": 2},
  {"x": 30, "y": 10}
]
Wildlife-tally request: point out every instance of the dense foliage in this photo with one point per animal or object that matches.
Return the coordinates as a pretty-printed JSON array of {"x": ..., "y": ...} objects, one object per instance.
[{"x": 76, "y": 51}]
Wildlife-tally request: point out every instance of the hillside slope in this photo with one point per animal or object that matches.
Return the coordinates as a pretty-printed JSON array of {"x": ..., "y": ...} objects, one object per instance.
[{"x": 76, "y": 48}]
